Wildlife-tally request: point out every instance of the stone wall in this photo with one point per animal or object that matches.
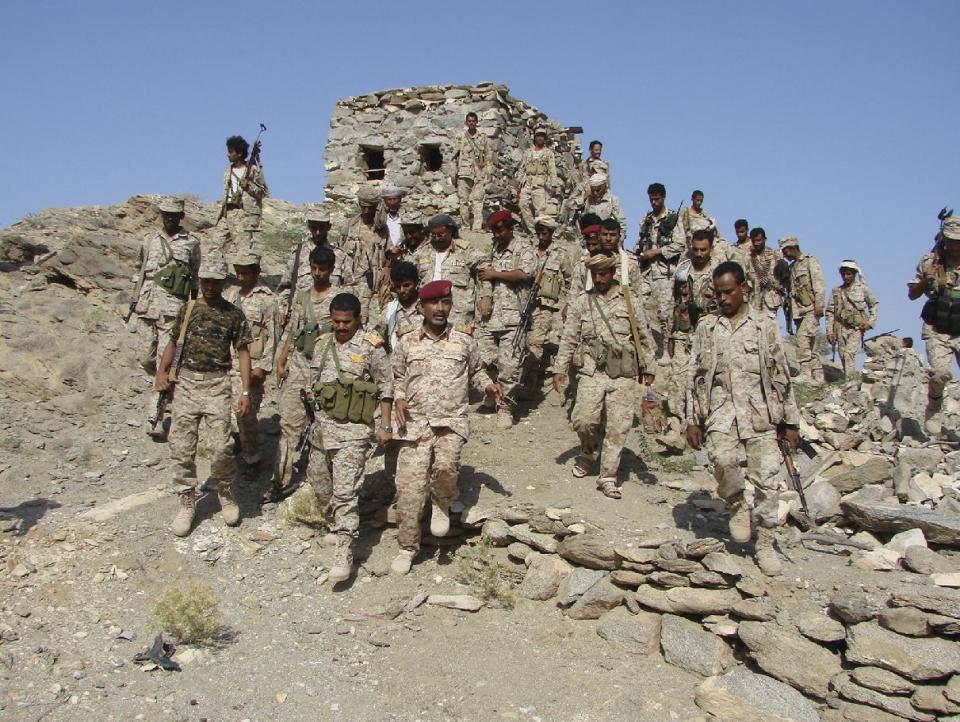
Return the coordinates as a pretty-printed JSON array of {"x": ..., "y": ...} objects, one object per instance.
[{"x": 412, "y": 133}]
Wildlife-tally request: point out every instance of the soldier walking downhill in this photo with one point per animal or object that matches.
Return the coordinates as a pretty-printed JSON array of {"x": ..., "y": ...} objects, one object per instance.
[
  {"x": 851, "y": 310},
  {"x": 537, "y": 180},
  {"x": 807, "y": 301},
  {"x": 206, "y": 329},
  {"x": 448, "y": 258},
  {"x": 766, "y": 294},
  {"x": 739, "y": 401},
  {"x": 474, "y": 161}
]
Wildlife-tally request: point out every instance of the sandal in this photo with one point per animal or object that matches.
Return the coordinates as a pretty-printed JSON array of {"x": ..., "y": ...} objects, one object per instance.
[
  {"x": 581, "y": 467},
  {"x": 608, "y": 487}
]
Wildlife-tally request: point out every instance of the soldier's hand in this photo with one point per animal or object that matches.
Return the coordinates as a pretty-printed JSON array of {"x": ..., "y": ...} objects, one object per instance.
[
  {"x": 559, "y": 382},
  {"x": 243, "y": 405},
  {"x": 695, "y": 437},
  {"x": 486, "y": 274},
  {"x": 161, "y": 382},
  {"x": 818, "y": 313},
  {"x": 831, "y": 338},
  {"x": 864, "y": 326},
  {"x": 486, "y": 307},
  {"x": 281, "y": 371},
  {"x": 494, "y": 391},
  {"x": 400, "y": 414},
  {"x": 670, "y": 347},
  {"x": 792, "y": 435},
  {"x": 383, "y": 437}
]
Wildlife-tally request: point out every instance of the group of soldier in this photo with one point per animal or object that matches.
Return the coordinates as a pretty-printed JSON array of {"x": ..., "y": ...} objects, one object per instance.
[{"x": 379, "y": 338}]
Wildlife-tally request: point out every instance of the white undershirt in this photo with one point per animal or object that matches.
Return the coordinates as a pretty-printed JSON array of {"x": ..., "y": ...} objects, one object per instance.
[
  {"x": 394, "y": 230},
  {"x": 438, "y": 263}
]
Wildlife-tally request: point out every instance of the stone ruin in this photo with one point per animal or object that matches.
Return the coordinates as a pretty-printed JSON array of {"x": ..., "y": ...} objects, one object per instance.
[{"x": 407, "y": 137}]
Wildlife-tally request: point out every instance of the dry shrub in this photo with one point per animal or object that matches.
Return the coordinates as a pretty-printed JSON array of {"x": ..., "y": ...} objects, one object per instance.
[
  {"x": 303, "y": 507},
  {"x": 191, "y": 612}
]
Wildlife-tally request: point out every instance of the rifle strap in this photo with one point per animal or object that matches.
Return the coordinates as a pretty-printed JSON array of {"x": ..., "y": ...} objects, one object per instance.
[
  {"x": 309, "y": 315},
  {"x": 172, "y": 376},
  {"x": 631, "y": 314},
  {"x": 603, "y": 317},
  {"x": 327, "y": 349}
]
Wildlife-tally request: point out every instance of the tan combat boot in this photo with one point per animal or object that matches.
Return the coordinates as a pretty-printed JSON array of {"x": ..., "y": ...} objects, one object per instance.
[
  {"x": 504, "y": 417},
  {"x": 439, "y": 521},
  {"x": 228, "y": 507},
  {"x": 403, "y": 561},
  {"x": 342, "y": 565},
  {"x": 183, "y": 521},
  {"x": 765, "y": 555},
  {"x": 740, "y": 530}
]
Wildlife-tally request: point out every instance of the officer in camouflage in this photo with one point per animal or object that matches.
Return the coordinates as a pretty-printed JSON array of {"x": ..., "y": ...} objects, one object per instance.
[
  {"x": 244, "y": 189},
  {"x": 851, "y": 310}
]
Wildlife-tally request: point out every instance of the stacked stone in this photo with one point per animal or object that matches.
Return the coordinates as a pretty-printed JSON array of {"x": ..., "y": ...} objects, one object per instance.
[
  {"x": 406, "y": 126},
  {"x": 764, "y": 654}
]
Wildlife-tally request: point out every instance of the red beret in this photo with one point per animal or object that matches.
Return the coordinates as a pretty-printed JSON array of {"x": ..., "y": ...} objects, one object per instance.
[
  {"x": 596, "y": 228},
  {"x": 499, "y": 217},
  {"x": 434, "y": 289}
]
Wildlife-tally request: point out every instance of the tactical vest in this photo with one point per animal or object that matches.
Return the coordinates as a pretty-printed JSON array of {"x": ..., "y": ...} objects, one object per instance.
[
  {"x": 308, "y": 329},
  {"x": 348, "y": 400},
  {"x": 174, "y": 277}
]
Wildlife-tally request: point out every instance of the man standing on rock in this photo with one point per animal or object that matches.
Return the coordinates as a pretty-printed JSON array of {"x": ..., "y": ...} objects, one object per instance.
[
  {"x": 537, "y": 179},
  {"x": 448, "y": 258},
  {"x": 808, "y": 292},
  {"x": 433, "y": 367},
  {"x": 473, "y": 160},
  {"x": 506, "y": 279},
  {"x": 259, "y": 306},
  {"x": 206, "y": 329},
  {"x": 364, "y": 247},
  {"x": 241, "y": 212},
  {"x": 609, "y": 336},
  {"x": 851, "y": 311},
  {"x": 739, "y": 401},
  {"x": 938, "y": 278}
]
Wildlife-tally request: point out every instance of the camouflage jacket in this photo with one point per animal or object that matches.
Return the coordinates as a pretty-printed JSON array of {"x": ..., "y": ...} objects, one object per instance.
[
  {"x": 260, "y": 309},
  {"x": 555, "y": 267},
  {"x": 608, "y": 207},
  {"x": 473, "y": 156},
  {"x": 765, "y": 290},
  {"x": 693, "y": 297},
  {"x": 808, "y": 289},
  {"x": 508, "y": 297},
  {"x": 250, "y": 200},
  {"x": 459, "y": 266},
  {"x": 852, "y": 305},
  {"x": 211, "y": 332},
  {"x": 672, "y": 245},
  {"x": 156, "y": 252},
  {"x": 538, "y": 169}
]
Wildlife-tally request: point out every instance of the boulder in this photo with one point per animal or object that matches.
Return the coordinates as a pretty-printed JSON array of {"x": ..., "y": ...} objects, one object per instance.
[
  {"x": 882, "y": 680},
  {"x": 876, "y": 516},
  {"x": 858, "y": 470},
  {"x": 820, "y": 628},
  {"x": 930, "y": 599},
  {"x": 905, "y": 620},
  {"x": 905, "y": 539},
  {"x": 688, "y": 645},
  {"x": 545, "y": 572},
  {"x": 777, "y": 650},
  {"x": 856, "y": 607},
  {"x": 689, "y": 600},
  {"x": 723, "y": 563},
  {"x": 588, "y": 550},
  {"x": 853, "y": 712},
  {"x": 923, "y": 560},
  {"x": 899, "y": 706},
  {"x": 601, "y": 597},
  {"x": 576, "y": 584},
  {"x": 925, "y": 458},
  {"x": 740, "y": 695},
  {"x": 823, "y": 500},
  {"x": 931, "y": 698},
  {"x": 757, "y": 609},
  {"x": 496, "y": 532},
  {"x": 627, "y": 578},
  {"x": 634, "y": 633},
  {"x": 541, "y": 542},
  {"x": 919, "y": 659}
]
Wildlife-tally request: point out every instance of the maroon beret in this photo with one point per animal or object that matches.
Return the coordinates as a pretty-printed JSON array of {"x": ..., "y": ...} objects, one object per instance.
[
  {"x": 499, "y": 217},
  {"x": 434, "y": 289},
  {"x": 596, "y": 228}
]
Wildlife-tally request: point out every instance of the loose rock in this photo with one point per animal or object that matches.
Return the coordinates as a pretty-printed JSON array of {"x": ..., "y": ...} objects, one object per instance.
[
  {"x": 742, "y": 696},
  {"x": 688, "y": 645}
]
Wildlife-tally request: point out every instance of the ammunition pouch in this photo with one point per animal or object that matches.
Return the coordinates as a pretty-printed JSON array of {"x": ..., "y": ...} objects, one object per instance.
[
  {"x": 943, "y": 312},
  {"x": 551, "y": 284},
  {"x": 345, "y": 399},
  {"x": 621, "y": 363},
  {"x": 804, "y": 296},
  {"x": 175, "y": 278},
  {"x": 851, "y": 318},
  {"x": 309, "y": 330}
]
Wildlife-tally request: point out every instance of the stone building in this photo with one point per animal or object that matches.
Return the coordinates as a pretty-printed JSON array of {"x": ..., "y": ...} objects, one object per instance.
[{"x": 407, "y": 137}]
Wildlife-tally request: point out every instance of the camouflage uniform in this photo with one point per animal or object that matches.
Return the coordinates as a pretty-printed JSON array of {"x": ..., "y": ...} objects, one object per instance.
[
  {"x": 546, "y": 325},
  {"x": 608, "y": 206},
  {"x": 344, "y": 445},
  {"x": 660, "y": 271},
  {"x": 238, "y": 230},
  {"x": 598, "y": 393},
  {"x": 156, "y": 308},
  {"x": 738, "y": 392},
  {"x": 765, "y": 292},
  {"x": 808, "y": 293},
  {"x": 341, "y": 277},
  {"x": 942, "y": 348},
  {"x": 581, "y": 280},
  {"x": 495, "y": 335},
  {"x": 538, "y": 179},
  {"x": 459, "y": 266},
  {"x": 432, "y": 375},
  {"x": 848, "y": 307},
  {"x": 473, "y": 158},
  {"x": 394, "y": 319},
  {"x": 695, "y": 221},
  {"x": 365, "y": 250},
  {"x": 260, "y": 309},
  {"x": 203, "y": 391}
]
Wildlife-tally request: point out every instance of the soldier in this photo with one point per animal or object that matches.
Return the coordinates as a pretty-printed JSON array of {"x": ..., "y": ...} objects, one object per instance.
[
  {"x": 741, "y": 227},
  {"x": 763, "y": 272},
  {"x": 449, "y": 258},
  {"x": 537, "y": 179},
  {"x": 352, "y": 373},
  {"x": 739, "y": 402},
  {"x": 505, "y": 276},
  {"x": 807, "y": 300},
  {"x": 401, "y": 312},
  {"x": 606, "y": 239},
  {"x": 851, "y": 310},
  {"x": 661, "y": 244},
  {"x": 169, "y": 260},
  {"x": 388, "y": 221},
  {"x": 594, "y": 164},
  {"x": 694, "y": 217},
  {"x": 553, "y": 267},
  {"x": 414, "y": 233},
  {"x": 364, "y": 247},
  {"x": 474, "y": 161},
  {"x": 604, "y": 204},
  {"x": 433, "y": 366},
  {"x": 938, "y": 278},
  {"x": 241, "y": 212},
  {"x": 259, "y": 306},
  {"x": 206, "y": 329},
  {"x": 601, "y": 324},
  {"x": 297, "y": 360}
]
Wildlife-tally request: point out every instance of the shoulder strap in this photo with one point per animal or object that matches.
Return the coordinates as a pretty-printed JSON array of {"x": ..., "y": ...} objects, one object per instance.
[
  {"x": 309, "y": 315},
  {"x": 596, "y": 304},
  {"x": 181, "y": 338},
  {"x": 166, "y": 249},
  {"x": 330, "y": 346},
  {"x": 628, "y": 297}
]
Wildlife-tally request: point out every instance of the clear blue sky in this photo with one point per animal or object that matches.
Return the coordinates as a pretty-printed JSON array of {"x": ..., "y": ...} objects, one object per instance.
[{"x": 830, "y": 121}]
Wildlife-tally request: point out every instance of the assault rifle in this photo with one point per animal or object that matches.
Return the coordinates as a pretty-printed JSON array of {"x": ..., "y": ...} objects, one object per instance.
[
  {"x": 881, "y": 335},
  {"x": 311, "y": 418},
  {"x": 782, "y": 271},
  {"x": 166, "y": 396},
  {"x": 651, "y": 232},
  {"x": 294, "y": 278},
  {"x": 793, "y": 474},
  {"x": 253, "y": 160},
  {"x": 526, "y": 315}
]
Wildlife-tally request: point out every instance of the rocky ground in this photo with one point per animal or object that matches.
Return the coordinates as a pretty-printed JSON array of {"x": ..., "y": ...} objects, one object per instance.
[{"x": 552, "y": 603}]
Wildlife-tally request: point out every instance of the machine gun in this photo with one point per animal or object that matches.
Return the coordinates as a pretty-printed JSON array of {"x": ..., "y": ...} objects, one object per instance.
[
  {"x": 311, "y": 419},
  {"x": 651, "y": 233},
  {"x": 293, "y": 286},
  {"x": 526, "y": 314}
]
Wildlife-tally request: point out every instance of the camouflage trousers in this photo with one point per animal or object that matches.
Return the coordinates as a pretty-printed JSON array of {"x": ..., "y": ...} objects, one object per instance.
[
  {"x": 942, "y": 350},
  {"x": 849, "y": 341},
  {"x": 660, "y": 310},
  {"x": 427, "y": 466},
  {"x": 811, "y": 367},
  {"x": 496, "y": 351},
  {"x": 237, "y": 232},
  {"x": 293, "y": 420},
  {"x": 545, "y": 330},
  {"x": 152, "y": 337},
  {"x": 471, "y": 193},
  {"x": 760, "y": 483},
  {"x": 533, "y": 203},
  {"x": 202, "y": 396},
  {"x": 247, "y": 427},
  {"x": 339, "y": 487},
  {"x": 602, "y": 416}
]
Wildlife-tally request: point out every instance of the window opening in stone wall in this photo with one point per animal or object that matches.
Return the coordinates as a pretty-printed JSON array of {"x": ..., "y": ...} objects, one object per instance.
[
  {"x": 431, "y": 159},
  {"x": 374, "y": 165}
]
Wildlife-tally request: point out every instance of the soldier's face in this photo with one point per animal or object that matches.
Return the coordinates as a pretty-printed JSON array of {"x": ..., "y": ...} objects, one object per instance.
[
  {"x": 413, "y": 235},
  {"x": 951, "y": 248},
  {"x": 171, "y": 222},
  {"x": 602, "y": 278},
  {"x": 321, "y": 275},
  {"x": 757, "y": 242},
  {"x": 847, "y": 275},
  {"x": 595, "y": 150},
  {"x": 211, "y": 288},
  {"x": 234, "y": 156},
  {"x": 697, "y": 202},
  {"x": 609, "y": 239},
  {"x": 367, "y": 212},
  {"x": 592, "y": 242},
  {"x": 539, "y": 140},
  {"x": 345, "y": 325},
  {"x": 471, "y": 124},
  {"x": 406, "y": 289},
  {"x": 437, "y": 310},
  {"x": 700, "y": 252},
  {"x": 544, "y": 235},
  {"x": 729, "y": 294},
  {"x": 791, "y": 252},
  {"x": 656, "y": 201},
  {"x": 318, "y": 230},
  {"x": 393, "y": 203},
  {"x": 596, "y": 192},
  {"x": 503, "y": 232},
  {"x": 741, "y": 232},
  {"x": 247, "y": 275},
  {"x": 441, "y": 237}
]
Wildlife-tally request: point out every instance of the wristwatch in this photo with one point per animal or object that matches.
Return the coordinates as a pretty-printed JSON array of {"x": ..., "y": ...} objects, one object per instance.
[
  {"x": 386, "y": 429},
  {"x": 245, "y": 393}
]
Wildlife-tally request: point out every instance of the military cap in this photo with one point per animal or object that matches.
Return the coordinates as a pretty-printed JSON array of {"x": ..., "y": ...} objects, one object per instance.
[
  {"x": 434, "y": 289},
  {"x": 245, "y": 259},
  {"x": 318, "y": 215},
  {"x": 546, "y": 222},
  {"x": 440, "y": 220},
  {"x": 789, "y": 242},
  {"x": 596, "y": 228},
  {"x": 852, "y": 265},
  {"x": 499, "y": 217},
  {"x": 411, "y": 217},
  {"x": 368, "y": 196},
  {"x": 951, "y": 228},
  {"x": 171, "y": 205},
  {"x": 540, "y": 130},
  {"x": 598, "y": 179},
  {"x": 602, "y": 262},
  {"x": 213, "y": 269},
  {"x": 391, "y": 192}
]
